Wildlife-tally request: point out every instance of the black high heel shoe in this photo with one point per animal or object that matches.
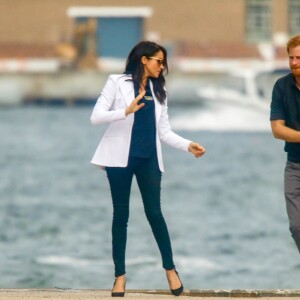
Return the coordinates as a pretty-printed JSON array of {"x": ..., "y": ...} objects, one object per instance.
[
  {"x": 117, "y": 294},
  {"x": 177, "y": 292}
]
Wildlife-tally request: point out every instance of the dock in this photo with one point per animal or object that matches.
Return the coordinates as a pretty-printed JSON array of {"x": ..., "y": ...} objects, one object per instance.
[{"x": 92, "y": 294}]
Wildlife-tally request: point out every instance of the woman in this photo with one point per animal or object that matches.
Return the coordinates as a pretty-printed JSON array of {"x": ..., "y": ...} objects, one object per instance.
[{"x": 135, "y": 106}]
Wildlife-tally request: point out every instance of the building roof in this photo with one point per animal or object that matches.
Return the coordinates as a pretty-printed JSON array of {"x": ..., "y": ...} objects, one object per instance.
[
  {"x": 181, "y": 49},
  {"x": 223, "y": 50}
]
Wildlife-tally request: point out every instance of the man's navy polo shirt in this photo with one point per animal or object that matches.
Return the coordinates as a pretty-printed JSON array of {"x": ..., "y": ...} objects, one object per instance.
[
  {"x": 143, "y": 136},
  {"x": 285, "y": 106}
]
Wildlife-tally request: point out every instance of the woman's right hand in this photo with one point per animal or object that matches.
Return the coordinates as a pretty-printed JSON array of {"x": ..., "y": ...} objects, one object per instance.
[
  {"x": 196, "y": 149},
  {"x": 134, "y": 106}
]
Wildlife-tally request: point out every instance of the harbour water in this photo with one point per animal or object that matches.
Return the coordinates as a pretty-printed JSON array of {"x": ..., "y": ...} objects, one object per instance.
[{"x": 225, "y": 211}]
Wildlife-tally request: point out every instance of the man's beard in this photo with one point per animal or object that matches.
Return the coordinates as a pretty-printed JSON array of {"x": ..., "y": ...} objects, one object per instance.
[{"x": 296, "y": 71}]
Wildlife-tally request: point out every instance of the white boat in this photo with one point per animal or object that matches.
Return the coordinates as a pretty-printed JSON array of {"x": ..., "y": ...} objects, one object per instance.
[{"x": 252, "y": 88}]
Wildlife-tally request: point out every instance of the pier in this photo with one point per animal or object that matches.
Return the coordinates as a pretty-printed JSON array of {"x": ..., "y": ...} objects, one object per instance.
[{"x": 90, "y": 294}]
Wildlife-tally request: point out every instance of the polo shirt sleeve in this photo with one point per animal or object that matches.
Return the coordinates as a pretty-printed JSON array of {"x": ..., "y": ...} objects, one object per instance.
[{"x": 278, "y": 111}]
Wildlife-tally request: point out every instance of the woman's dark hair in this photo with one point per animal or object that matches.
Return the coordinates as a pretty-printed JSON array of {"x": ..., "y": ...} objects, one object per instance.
[{"x": 135, "y": 67}]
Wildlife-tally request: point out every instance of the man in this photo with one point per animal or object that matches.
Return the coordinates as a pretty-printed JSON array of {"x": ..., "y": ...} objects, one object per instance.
[{"x": 285, "y": 123}]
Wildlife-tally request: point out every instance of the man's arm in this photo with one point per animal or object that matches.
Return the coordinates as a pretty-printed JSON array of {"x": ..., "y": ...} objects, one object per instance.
[{"x": 282, "y": 132}]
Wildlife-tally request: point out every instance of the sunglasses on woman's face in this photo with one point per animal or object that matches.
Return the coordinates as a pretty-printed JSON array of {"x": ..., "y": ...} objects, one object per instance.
[{"x": 159, "y": 60}]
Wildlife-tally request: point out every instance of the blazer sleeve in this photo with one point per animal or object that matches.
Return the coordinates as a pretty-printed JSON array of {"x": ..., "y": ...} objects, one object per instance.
[
  {"x": 102, "y": 112},
  {"x": 167, "y": 135}
]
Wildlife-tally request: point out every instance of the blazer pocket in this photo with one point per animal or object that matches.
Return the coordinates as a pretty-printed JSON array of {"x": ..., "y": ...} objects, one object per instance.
[{"x": 111, "y": 152}]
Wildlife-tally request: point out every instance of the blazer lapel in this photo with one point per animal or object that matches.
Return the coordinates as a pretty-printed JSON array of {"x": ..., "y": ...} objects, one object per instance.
[
  {"x": 157, "y": 104},
  {"x": 126, "y": 88}
]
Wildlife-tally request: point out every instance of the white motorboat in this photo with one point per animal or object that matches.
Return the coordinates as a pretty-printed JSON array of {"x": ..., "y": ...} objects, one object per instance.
[{"x": 251, "y": 88}]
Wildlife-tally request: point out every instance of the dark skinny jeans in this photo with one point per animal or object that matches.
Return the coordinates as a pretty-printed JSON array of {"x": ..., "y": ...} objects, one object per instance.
[{"x": 148, "y": 176}]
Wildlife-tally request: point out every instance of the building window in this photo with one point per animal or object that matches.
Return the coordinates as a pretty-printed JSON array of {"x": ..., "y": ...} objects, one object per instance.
[
  {"x": 258, "y": 20},
  {"x": 294, "y": 17}
]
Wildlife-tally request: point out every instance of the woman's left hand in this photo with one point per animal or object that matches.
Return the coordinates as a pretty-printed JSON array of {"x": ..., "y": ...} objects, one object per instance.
[{"x": 196, "y": 149}]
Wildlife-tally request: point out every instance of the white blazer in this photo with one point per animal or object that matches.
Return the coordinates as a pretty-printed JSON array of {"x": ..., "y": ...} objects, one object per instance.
[{"x": 113, "y": 149}]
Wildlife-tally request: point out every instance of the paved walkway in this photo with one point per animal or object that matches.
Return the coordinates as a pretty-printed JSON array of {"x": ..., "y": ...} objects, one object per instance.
[{"x": 61, "y": 294}]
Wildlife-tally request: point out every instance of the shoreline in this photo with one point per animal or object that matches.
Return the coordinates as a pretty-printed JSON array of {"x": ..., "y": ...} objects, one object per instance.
[{"x": 56, "y": 85}]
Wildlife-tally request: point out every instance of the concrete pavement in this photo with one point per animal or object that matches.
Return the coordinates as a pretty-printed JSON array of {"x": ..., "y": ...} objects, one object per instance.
[{"x": 68, "y": 294}]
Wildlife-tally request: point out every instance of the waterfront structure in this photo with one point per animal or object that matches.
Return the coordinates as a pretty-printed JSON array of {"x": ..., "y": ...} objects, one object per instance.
[
  {"x": 89, "y": 32},
  {"x": 188, "y": 27},
  {"x": 200, "y": 35}
]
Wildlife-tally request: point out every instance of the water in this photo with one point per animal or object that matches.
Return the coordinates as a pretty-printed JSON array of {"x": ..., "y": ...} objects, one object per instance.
[{"x": 225, "y": 211}]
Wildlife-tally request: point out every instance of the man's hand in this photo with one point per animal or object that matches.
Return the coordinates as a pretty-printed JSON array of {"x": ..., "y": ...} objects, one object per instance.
[
  {"x": 196, "y": 149},
  {"x": 134, "y": 106}
]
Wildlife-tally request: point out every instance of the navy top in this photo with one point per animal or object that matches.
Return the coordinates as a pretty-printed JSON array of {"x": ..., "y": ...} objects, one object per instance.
[
  {"x": 143, "y": 136},
  {"x": 285, "y": 106}
]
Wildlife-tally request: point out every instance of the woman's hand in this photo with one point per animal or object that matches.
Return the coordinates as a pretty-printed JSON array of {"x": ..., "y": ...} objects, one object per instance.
[
  {"x": 134, "y": 106},
  {"x": 196, "y": 149}
]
